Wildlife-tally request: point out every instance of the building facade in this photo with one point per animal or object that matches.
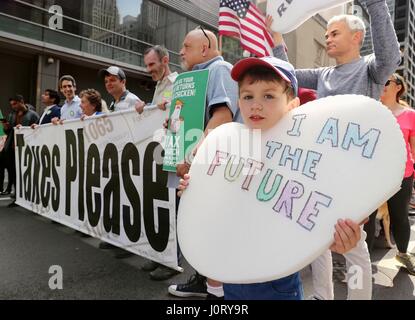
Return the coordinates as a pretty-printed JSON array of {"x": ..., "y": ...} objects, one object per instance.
[
  {"x": 409, "y": 53},
  {"x": 97, "y": 33},
  {"x": 35, "y": 51},
  {"x": 403, "y": 16}
]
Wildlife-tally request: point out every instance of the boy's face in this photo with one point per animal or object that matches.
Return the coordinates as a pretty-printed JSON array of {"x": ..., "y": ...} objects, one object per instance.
[{"x": 263, "y": 103}]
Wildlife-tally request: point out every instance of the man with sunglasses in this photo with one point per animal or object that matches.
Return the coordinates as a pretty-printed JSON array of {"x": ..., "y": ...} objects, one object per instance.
[
  {"x": 353, "y": 74},
  {"x": 200, "y": 52}
]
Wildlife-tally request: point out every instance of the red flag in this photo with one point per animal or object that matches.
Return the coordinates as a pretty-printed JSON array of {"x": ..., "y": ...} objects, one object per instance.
[{"x": 242, "y": 19}]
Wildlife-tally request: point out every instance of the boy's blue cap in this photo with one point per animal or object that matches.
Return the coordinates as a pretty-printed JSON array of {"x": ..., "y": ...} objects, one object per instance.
[{"x": 283, "y": 68}]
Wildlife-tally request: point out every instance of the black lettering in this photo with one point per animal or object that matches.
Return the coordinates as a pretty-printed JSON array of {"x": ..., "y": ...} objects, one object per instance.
[
  {"x": 111, "y": 190},
  {"x": 93, "y": 179},
  {"x": 46, "y": 168},
  {"x": 20, "y": 143},
  {"x": 56, "y": 162},
  {"x": 81, "y": 183},
  {"x": 281, "y": 9},
  {"x": 131, "y": 159},
  {"x": 71, "y": 170},
  {"x": 27, "y": 176},
  {"x": 155, "y": 190},
  {"x": 36, "y": 170}
]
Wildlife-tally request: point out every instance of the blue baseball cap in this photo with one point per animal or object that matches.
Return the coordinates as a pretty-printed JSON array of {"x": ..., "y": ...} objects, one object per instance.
[{"x": 283, "y": 68}]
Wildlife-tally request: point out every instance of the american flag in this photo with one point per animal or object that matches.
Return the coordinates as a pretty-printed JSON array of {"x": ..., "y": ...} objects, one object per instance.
[{"x": 242, "y": 19}]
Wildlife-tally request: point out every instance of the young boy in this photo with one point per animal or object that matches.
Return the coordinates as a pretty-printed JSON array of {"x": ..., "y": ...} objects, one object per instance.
[{"x": 268, "y": 90}]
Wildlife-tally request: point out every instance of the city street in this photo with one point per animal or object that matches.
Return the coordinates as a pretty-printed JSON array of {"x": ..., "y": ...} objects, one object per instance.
[{"x": 31, "y": 244}]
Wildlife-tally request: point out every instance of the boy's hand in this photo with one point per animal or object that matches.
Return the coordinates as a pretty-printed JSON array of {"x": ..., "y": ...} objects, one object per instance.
[
  {"x": 55, "y": 121},
  {"x": 34, "y": 126},
  {"x": 346, "y": 237},
  {"x": 276, "y": 36},
  {"x": 184, "y": 183}
]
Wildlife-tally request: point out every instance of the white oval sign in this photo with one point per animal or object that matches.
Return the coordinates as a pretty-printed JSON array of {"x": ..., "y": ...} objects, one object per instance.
[
  {"x": 290, "y": 14},
  {"x": 263, "y": 206}
]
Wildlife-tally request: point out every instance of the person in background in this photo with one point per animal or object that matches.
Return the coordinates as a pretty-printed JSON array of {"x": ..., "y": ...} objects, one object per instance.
[
  {"x": 157, "y": 62},
  {"x": 115, "y": 83},
  {"x": 398, "y": 205},
  {"x": 91, "y": 103},
  {"x": 51, "y": 99},
  {"x": 3, "y": 160},
  {"x": 71, "y": 109},
  {"x": 20, "y": 116}
]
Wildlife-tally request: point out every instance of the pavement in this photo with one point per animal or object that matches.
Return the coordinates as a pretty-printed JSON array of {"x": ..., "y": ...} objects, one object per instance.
[{"x": 31, "y": 244}]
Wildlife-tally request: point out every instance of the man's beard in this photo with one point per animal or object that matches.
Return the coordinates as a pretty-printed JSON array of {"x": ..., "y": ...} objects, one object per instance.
[
  {"x": 184, "y": 66},
  {"x": 159, "y": 76}
]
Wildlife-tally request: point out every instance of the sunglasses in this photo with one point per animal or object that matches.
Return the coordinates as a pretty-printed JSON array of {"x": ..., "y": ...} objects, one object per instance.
[
  {"x": 204, "y": 32},
  {"x": 394, "y": 81}
]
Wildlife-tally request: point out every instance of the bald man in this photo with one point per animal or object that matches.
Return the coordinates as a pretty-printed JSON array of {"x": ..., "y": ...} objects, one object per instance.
[{"x": 200, "y": 52}]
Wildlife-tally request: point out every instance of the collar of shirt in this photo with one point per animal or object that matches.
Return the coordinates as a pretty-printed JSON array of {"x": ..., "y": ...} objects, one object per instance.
[
  {"x": 48, "y": 108},
  {"x": 172, "y": 76},
  {"x": 124, "y": 95},
  {"x": 76, "y": 99},
  {"x": 122, "y": 98},
  {"x": 206, "y": 64}
]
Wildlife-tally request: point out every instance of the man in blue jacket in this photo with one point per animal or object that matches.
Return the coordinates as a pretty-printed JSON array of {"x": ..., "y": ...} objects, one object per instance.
[{"x": 52, "y": 110}]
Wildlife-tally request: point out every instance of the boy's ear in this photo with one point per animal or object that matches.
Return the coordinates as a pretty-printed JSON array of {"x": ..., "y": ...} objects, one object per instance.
[{"x": 295, "y": 103}]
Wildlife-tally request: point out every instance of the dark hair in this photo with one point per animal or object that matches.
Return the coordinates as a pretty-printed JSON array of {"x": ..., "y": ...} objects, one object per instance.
[
  {"x": 66, "y": 78},
  {"x": 400, "y": 81},
  {"x": 17, "y": 98},
  {"x": 261, "y": 73},
  {"x": 159, "y": 50},
  {"x": 94, "y": 98},
  {"x": 54, "y": 95}
]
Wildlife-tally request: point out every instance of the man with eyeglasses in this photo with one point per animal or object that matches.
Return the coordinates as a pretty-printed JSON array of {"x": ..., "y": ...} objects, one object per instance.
[
  {"x": 353, "y": 74},
  {"x": 200, "y": 52}
]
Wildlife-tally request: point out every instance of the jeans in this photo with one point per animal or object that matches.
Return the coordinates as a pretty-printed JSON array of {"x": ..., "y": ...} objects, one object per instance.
[{"x": 288, "y": 288}]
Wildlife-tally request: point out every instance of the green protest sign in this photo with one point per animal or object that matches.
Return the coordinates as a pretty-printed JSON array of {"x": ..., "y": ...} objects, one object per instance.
[{"x": 187, "y": 117}]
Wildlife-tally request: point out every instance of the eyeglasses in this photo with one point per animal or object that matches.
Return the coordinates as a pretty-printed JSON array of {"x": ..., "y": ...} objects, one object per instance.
[
  {"x": 394, "y": 81},
  {"x": 204, "y": 32}
]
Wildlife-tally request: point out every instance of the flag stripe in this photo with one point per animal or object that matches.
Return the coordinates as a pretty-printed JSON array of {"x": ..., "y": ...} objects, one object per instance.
[{"x": 230, "y": 23}]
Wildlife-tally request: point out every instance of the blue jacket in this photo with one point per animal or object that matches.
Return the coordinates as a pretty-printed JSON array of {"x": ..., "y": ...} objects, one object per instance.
[{"x": 54, "y": 112}]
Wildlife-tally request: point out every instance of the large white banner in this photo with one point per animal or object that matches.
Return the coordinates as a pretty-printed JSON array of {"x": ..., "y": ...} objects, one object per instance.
[{"x": 102, "y": 176}]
